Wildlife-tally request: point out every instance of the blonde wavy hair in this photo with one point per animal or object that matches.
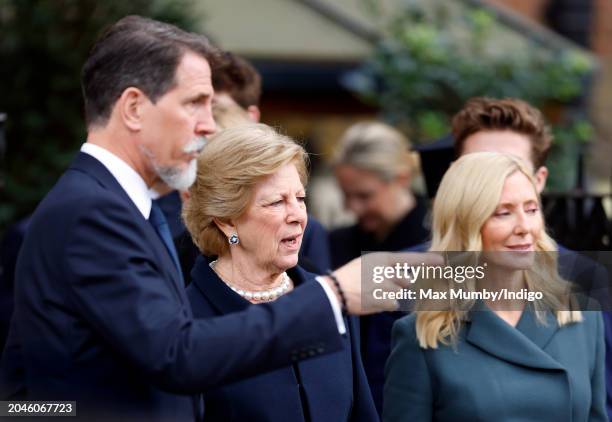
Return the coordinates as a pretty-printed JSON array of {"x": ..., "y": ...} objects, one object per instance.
[
  {"x": 468, "y": 195},
  {"x": 230, "y": 165}
]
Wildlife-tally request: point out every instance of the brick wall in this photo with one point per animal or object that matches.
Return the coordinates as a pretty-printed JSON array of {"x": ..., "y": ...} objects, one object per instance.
[
  {"x": 602, "y": 28},
  {"x": 532, "y": 9},
  {"x": 601, "y": 36}
]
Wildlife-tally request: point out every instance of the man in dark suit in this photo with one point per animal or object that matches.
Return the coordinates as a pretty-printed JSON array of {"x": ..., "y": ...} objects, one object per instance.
[
  {"x": 9, "y": 249},
  {"x": 101, "y": 316}
]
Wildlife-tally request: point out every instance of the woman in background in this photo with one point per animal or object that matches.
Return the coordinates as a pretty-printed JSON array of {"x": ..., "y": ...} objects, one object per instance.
[
  {"x": 374, "y": 169},
  {"x": 505, "y": 360}
]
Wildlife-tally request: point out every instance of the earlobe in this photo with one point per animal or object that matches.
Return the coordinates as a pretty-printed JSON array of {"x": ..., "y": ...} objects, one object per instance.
[
  {"x": 254, "y": 113},
  {"x": 226, "y": 226},
  {"x": 130, "y": 107},
  {"x": 541, "y": 175}
]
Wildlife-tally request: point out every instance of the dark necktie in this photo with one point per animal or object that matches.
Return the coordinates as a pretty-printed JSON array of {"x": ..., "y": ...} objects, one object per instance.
[{"x": 160, "y": 224}]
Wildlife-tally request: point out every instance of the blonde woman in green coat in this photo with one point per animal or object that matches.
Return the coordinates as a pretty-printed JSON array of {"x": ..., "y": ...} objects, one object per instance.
[{"x": 484, "y": 360}]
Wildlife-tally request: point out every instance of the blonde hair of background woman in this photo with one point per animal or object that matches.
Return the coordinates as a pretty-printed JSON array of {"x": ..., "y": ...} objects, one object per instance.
[
  {"x": 468, "y": 195},
  {"x": 376, "y": 147}
]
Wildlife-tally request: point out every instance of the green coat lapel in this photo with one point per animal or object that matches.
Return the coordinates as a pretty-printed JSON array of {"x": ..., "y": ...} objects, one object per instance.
[
  {"x": 539, "y": 333},
  {"x": 522, "y": 345}
]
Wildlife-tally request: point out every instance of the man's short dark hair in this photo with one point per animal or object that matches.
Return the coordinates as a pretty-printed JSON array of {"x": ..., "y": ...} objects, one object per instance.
[
  {"x": 239, "y": 79},
  {"x": 137, "y": 52},
  {"x": 482, "y": 114}
]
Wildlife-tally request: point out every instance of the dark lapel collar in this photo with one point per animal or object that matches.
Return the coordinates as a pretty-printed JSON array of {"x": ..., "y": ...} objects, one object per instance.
[
  {"x": 220, "y": 296},
  {"x": 521, "y": 345},
  {"x": 87, "y": 164},
  {"x": 90, "y": 165}
]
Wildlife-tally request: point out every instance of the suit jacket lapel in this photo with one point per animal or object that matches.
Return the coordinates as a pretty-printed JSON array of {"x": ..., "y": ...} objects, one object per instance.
[
  {"x": 522, "y": 345},
  {"x": 88, "y": 164},
  {"x": 219, "y": 294}
]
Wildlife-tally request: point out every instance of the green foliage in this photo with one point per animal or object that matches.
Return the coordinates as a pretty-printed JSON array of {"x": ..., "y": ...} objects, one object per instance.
[
  {"x": 437, "y": 54},
  {"x": 43, "y": 45}
]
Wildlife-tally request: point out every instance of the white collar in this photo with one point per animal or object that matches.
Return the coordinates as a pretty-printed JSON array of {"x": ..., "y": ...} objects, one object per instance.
[{"x": 131, "y": 182}]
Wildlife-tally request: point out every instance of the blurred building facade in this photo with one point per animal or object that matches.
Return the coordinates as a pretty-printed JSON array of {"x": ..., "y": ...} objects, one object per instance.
[{"x": 304, "y": 47}]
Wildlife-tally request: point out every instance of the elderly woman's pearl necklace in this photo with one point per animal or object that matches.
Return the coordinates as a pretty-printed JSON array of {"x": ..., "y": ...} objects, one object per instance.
[{"x": 260, "y": 295}]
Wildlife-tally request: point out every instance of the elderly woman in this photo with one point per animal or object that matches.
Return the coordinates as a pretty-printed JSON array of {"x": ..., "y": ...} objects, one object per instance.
[
  {"x": 247, "y": 209},
  {"x": 509, "y": 360}
]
